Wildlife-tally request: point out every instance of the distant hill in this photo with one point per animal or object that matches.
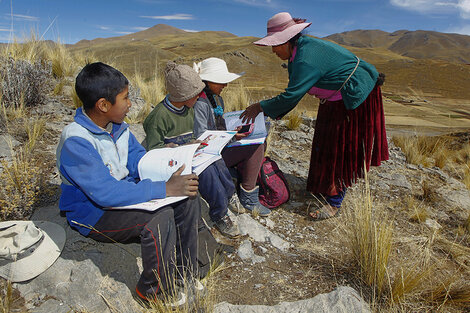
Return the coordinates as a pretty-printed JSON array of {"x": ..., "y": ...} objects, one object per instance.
[
  {"x": 418, "y": 44},
  {"x": 415, "y": 62}
]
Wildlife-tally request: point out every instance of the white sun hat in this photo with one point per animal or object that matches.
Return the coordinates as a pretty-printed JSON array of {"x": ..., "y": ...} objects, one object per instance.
[
  {"x": 215, "y": 70},
  {"x": 28, "y": 248}
]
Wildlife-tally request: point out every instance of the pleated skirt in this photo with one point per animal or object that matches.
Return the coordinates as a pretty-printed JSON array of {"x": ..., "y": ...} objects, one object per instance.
[{"x": 346, "y": 143}]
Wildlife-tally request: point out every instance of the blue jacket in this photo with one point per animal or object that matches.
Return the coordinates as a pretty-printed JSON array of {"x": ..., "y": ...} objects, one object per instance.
[{"x": 99, "y": 170}]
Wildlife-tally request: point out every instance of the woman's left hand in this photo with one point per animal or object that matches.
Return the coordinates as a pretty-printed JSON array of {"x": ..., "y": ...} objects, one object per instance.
[{"x": 250, "y": 113}]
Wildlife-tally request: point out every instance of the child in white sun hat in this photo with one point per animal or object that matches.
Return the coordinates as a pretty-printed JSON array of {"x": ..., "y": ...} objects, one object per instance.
[{"x": 208, "y": 112}]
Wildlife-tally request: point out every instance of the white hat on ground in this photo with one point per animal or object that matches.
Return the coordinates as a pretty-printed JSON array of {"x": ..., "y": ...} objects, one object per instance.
[
  {"x": 215, "y": 70},
  {"x": 28, "y": 248}
]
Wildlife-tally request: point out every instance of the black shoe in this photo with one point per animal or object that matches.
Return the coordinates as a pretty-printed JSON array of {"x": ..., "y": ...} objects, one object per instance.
[{"x": 226, "y": 227}]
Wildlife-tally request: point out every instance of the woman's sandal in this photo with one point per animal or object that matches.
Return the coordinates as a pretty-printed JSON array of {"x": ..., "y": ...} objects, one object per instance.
[{"x": 323, "y": 213}]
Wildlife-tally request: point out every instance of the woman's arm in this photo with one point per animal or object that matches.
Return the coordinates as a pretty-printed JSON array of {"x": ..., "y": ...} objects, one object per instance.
[{"x": 302, "y": 77}]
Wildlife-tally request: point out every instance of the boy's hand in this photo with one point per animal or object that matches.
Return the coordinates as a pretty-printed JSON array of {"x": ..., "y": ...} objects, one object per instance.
[
  {"x": 171, "y": 145},
  {"x": 182, "y": 185}
]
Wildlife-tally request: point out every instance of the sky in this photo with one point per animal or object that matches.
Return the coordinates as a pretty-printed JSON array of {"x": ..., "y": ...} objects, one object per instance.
[{"x": 70, "y": 21}]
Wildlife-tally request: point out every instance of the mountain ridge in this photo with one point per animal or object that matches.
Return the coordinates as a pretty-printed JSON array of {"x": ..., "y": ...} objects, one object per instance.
[{"x": 426, "y": 62}]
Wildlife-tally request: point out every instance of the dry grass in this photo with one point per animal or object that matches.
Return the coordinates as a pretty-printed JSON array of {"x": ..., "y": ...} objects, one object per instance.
[
  {"x": 409, "y": 281},
  {"x": 294, "y": 119},
  {"x": 6, "y": 297},
  {"x": 236, "y": 97},
  {"x": 451, "y": 292},
  {"x": 368, "y": 236},
  {"x": 152, "y": 91},
  {"x": 21, "y": 181}
]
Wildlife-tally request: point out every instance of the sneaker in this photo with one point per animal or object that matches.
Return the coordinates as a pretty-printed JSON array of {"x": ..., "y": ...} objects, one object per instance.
[
  {"x": 235, "y": 206},
  {"x": 227, "y": 228},
  {"x": 180, "y": 300}
]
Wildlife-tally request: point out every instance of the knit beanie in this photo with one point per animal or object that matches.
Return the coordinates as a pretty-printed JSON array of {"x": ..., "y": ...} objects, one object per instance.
[{"x": 182, "y": 82}]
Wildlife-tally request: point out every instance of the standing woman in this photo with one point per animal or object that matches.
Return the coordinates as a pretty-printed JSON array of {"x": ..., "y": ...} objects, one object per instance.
[
  {"x": 208, "y": 112},
  {"x": 350, "y": 125}
]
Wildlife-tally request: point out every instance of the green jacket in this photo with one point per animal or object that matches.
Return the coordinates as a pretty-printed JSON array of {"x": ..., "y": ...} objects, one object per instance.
[{"x": 325, "y": 65}]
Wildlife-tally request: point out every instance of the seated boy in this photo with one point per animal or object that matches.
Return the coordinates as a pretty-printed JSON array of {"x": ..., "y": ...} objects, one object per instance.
[
  {"x": 97, "y": 158},
  {"x": 171, "y": 123}
]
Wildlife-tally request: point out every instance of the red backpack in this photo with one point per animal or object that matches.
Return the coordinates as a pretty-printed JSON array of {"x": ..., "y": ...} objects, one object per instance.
[{"x": 273, "y": 188}]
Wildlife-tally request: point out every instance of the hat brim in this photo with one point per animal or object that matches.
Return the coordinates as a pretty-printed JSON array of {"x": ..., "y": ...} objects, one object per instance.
[
  {"x": 41, "y": 259},
  {"x": 279, "y": 38},
  {"x": 220, "y": 78}
]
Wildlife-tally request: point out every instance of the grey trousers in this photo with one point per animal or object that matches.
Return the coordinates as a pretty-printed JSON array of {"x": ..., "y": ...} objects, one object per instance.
[{"x": 168, "y": 239}]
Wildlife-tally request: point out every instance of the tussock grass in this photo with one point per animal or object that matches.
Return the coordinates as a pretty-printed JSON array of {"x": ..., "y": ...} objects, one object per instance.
[
  {"x": 21, "y": 181},
  {"x": 450, "y": 291},
  {"x": 77, "y": 103},
  {"x": 63, "y": 64},
  {"x": 294, "y": 119},
  {"x": 409, "y": 281},
  {"x": 30, "y": 49},
  {"x": 6, "y": 297},
  {"x": 422, "y": 150},
  {"x": 151, "y": 90},
  {"x": 368, "y": 235},
  {"x": 236, "y": 97}
]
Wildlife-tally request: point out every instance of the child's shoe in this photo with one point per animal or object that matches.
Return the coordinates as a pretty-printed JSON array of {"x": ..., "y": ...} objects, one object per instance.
[
  {"x": 180, "y": 300},
  {"x": 227, "y": 228},
  {"x": 250, "y": 201},
  {"x": 234, "y": 205}
]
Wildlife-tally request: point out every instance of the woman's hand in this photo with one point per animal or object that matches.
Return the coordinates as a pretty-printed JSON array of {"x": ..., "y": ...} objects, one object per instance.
[{"x": 250, "y": 113}]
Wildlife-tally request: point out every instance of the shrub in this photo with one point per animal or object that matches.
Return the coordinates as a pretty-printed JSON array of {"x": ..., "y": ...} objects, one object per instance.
[{"x": 23, "y": 82}]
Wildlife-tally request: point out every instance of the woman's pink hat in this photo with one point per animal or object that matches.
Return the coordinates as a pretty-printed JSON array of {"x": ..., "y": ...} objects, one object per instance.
[{"x": 281, "y": 28}]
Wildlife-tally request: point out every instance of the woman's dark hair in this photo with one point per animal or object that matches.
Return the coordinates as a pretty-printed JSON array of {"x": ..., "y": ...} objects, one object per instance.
[{"x": 99, "y": 80}]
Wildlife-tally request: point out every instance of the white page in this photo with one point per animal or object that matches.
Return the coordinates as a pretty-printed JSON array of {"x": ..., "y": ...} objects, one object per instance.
[
  {"x": 160, "y": 164},
  {"x": 258, "y": 136},
  {"x": 151, "y": 205},
  {"x": 216, "y": 140}
]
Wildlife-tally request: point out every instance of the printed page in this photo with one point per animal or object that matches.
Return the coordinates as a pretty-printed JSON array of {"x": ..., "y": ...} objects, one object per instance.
[
  {"x": 207, "y": 159},
  {"x": 151, "y": 205},
  {"x": 258, "y": 136},
  {"x": 160, "y": 164},
  {"x": 215, "y": 140}
]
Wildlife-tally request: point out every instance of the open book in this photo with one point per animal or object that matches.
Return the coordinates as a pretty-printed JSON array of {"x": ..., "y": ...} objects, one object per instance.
[
  {"x": 215, "y": 141},
  {"x": 259, "y": 134},
  {"x": 160, "y": 164}
]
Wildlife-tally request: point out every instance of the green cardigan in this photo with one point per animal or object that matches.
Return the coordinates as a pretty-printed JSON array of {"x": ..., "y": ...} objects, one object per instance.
[
  {"x": 322, "y": 64},
  {"x": 162, "y": 126}
]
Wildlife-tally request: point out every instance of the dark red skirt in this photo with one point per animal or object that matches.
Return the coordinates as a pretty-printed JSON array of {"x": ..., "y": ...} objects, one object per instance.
[{"x": 345, "y": 142}]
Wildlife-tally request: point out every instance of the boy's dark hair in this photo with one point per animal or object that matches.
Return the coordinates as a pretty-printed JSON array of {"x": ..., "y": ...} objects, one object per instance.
[{"x": 99, "y": 80}]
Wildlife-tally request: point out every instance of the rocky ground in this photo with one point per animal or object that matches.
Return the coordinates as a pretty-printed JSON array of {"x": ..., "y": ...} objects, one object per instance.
[{"x": 283, "y": 258}]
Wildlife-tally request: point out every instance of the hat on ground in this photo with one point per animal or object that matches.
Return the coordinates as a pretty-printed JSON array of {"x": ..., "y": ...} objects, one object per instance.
[
  {"x": 281, "y": 28},
  {"x": 182, "y": 82},
  {"x": 28, "y": 248},
  {"x": 215, "y": 70}
]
